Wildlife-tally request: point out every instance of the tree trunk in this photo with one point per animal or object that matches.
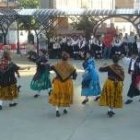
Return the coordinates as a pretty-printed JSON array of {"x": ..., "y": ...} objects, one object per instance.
[
  {"x": 37, "y": 37},
  {"x": 37, "y": 44}
]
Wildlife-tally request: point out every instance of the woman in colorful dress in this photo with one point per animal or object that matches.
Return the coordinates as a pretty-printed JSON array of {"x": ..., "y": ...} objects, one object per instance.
[
  {"x": 41, "y": 79},
  {"x": 8, "y": 82},
  {"x": 112, "y": 90},
  {"x": 62, "y": 89},
  {"x": 134, "y": 71},
  {"x": 90, "y": 81}
]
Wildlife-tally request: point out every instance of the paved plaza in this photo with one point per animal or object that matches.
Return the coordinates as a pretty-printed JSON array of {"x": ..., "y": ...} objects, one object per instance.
[{"x": 34, "y": 119}]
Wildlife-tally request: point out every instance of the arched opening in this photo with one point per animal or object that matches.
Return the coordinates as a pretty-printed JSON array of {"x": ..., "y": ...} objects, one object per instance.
[{"x": 125, "y": 25}]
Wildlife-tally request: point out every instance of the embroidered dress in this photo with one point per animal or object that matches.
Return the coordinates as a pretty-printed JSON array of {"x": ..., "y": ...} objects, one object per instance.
[
  {"x": 112, "y": 90},
  {"x": 90, "y": 81},
  {"x": 8, "y": 82},
  {"x": 62, "y": 89},
  {"x": 41, "y": 79}
]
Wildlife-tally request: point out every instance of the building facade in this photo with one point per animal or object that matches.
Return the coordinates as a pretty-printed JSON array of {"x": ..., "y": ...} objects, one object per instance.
[
  {"x": 62, "y": 4},
  {"x": 124, "y": 3},
  {"x": 47, "y": 4},
  {"x": 136, "y": 4},
  {"x": 8, "y": 3},
  {"x": 95, "y": 4}
]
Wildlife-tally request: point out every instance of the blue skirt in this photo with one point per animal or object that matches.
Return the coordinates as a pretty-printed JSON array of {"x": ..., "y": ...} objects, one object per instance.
[
  {"x": 41, "y": 81},
  {"x": 91, "y": 88}
]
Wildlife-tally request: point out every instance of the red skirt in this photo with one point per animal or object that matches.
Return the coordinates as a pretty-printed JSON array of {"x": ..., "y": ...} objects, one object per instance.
[{"x": 137, "y": 82}]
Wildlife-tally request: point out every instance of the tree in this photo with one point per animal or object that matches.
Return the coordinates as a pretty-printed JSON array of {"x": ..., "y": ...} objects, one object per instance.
[
  {"x": 29, "y": 3},
  {"x": 86, "y": 25},
  {"x": 28, "y": 23}
]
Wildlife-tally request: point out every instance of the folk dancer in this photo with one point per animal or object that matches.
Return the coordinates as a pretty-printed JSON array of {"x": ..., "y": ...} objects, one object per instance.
[
  {"x": 8, "y": 83},
  {"x": 133, "y": 71},
  {"x": 41, "y": 79},
  {"x": 62, "y": 89},
  {"x": 90, "y": 81},
  {"x": 111, "y": 95}
]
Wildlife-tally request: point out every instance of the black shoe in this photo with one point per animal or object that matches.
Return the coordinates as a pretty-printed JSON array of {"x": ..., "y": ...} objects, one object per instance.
[
  {"x": 36, "y": 95},
  {"x": 19, "y": 87},
  {"x": 49, "y": 93},
  {"x": 0, "y": 107},
  {"x": 57, "y": 114},
  {"x": 109, "y": 113},
  {"x": 129, "y": 101},
  {"x": 65, "y": 111},
  {"x": 13, "y": 104},
  {"x": 97, "y": 98},
  {"x": 113, "y": 113},
  {"x": 85, "y": 101}
]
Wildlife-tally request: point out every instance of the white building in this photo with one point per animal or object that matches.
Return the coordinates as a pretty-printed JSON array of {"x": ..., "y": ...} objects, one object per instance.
[
  {"x": 94, "y": 4},
  {"x": 137, "y": 4}
]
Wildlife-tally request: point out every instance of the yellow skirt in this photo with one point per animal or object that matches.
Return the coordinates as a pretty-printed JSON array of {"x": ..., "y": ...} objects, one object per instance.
[
  {"x": 62, "y": 93},
  {"x": 112, "y": 94},
  {"x": 8, "y": 92}
]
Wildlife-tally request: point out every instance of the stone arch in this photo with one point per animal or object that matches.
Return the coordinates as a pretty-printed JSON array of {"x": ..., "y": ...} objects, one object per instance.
[{"x": 127, "y": 18}]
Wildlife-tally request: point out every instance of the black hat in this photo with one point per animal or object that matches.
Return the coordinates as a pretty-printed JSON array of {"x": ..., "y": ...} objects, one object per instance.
[
  {"x": 65, "y": 56},
  {"x": 43, "y": 51},
  {"x": 115, "y": 58}
]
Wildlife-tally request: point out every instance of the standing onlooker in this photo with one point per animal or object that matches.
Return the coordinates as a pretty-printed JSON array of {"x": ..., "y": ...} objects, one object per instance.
[
  {"x": 42, "y": 42},
  {"x": 131, "y": 41},
  {"x": 116, "y": 49},
  {"x": 56, "y": 49},
  {"x": 75, "y": 46},
  {"x": 112, "y": 90},
  {"x": 107, "y": 44},
  {"x": 125, "y": 44},
  {"x": 30, "y": 38}
]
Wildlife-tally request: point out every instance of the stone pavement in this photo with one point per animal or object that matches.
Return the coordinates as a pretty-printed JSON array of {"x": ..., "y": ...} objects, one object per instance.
[{"x": 34, "y": 119}]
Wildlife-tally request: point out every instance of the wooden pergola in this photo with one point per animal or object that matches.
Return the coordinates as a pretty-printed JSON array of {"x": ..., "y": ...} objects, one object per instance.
[{"x": 47, "y": 17}]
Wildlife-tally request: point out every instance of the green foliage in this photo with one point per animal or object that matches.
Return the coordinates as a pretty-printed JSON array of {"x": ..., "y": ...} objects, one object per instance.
[
  {"x": 29, "y": 3},
  {"x": 28, "y": 23},
  {"x": 84, "y": 24}
]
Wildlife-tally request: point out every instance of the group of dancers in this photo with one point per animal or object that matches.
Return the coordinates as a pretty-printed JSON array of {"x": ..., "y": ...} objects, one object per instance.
[{"x": 61, "y": 88}]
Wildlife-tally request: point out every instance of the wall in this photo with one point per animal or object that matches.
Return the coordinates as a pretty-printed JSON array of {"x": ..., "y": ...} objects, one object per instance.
[{"x": 124, "y": 3}]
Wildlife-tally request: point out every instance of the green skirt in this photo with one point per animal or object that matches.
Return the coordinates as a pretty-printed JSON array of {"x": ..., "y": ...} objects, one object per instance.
[{"x": 42, "y": 82}]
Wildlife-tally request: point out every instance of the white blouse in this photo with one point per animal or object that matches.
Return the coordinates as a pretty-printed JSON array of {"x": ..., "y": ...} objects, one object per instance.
[{"x": 126, "y": 61}]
